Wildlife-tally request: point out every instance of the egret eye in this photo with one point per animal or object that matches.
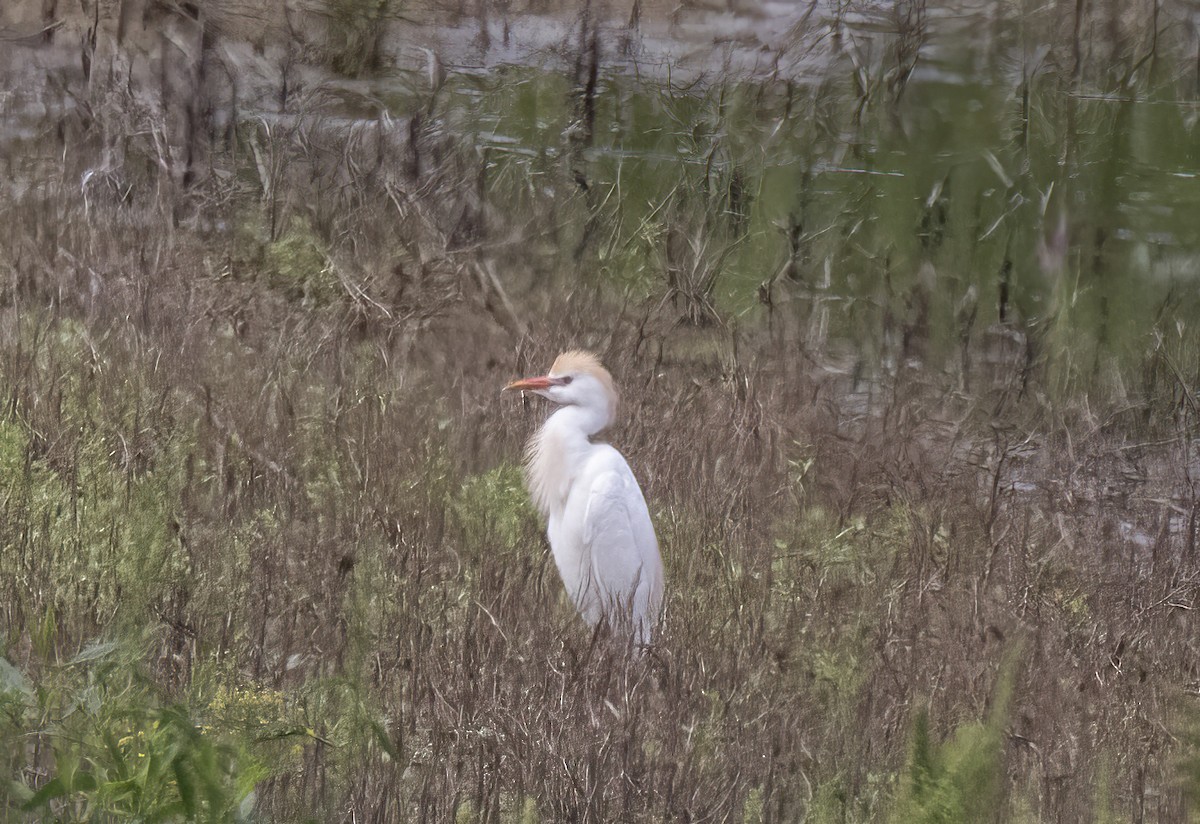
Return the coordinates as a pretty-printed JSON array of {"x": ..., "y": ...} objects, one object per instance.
[{"x": 566, "y": 380}]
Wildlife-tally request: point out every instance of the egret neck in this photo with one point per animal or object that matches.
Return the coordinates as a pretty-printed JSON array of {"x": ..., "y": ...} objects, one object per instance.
[{"x": 559, "y": 452}]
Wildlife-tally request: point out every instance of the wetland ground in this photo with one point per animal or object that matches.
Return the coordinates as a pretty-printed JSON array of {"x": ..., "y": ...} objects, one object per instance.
[{"x": 902, "y": 300}]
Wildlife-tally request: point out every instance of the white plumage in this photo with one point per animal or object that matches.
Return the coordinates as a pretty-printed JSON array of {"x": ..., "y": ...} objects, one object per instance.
[{"x": 597, "y": 520}]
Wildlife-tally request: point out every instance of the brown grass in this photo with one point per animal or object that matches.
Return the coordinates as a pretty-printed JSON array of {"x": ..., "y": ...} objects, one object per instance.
[{"x": 274, "y": 372}]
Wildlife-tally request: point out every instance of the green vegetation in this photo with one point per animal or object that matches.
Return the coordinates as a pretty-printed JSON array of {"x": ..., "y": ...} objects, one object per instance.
[
  {"x": 905, "y": 334},
  {"x": 117, "y": 750},
  {"x": 961, "y": 780},
  {"x": 296, "y": 264}
]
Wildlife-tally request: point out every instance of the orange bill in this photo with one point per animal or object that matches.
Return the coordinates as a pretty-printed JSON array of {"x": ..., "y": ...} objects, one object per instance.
[{"x": 530, "y": 384}]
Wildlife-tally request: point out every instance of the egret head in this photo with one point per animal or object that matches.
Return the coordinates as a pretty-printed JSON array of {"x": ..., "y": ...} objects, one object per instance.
[{"x": 575, "y": 379}]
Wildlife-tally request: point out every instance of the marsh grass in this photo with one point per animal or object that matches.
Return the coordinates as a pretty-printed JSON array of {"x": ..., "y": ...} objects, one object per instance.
[{"x": 928, "y": 509}]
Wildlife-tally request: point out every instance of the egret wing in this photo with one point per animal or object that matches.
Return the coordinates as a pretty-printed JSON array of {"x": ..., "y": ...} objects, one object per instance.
[{"x": 619, "y": 537}]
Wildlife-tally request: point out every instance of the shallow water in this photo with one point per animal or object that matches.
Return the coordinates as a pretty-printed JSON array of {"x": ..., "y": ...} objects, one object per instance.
[
  {"x": 919, "y": 179},
  {"x": 991, "y": 184}
]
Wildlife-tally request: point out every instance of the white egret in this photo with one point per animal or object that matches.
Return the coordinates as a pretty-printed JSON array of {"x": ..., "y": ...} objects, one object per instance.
[{"x": 597, "y": 521}]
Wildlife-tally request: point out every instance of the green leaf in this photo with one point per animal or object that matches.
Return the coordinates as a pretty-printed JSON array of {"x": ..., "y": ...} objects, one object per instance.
[
  {"x": 19, "y": 791},
  {"x": 187, "y": 788},
  {"x": 114, "y": 752},
  {"x": 250, "y": 772},
  {"x": 118, "y": 790},
  {"x": 385, "y": 740},
  {"x": 66, "y": 764},
  {"x": 94, "y": 651},
  {"x": 52, "y": 789},
  {"x": 91, "y": 700},
  {"x": 83, "y": 782},
  {"x": 13, "y": 680},
  {"x": 152, "y": 770}
]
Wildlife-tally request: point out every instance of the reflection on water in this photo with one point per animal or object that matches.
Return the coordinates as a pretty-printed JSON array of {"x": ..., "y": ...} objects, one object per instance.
[
  {"x": 985, "y": 182},
  {"x": 913, "y": 176}
]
